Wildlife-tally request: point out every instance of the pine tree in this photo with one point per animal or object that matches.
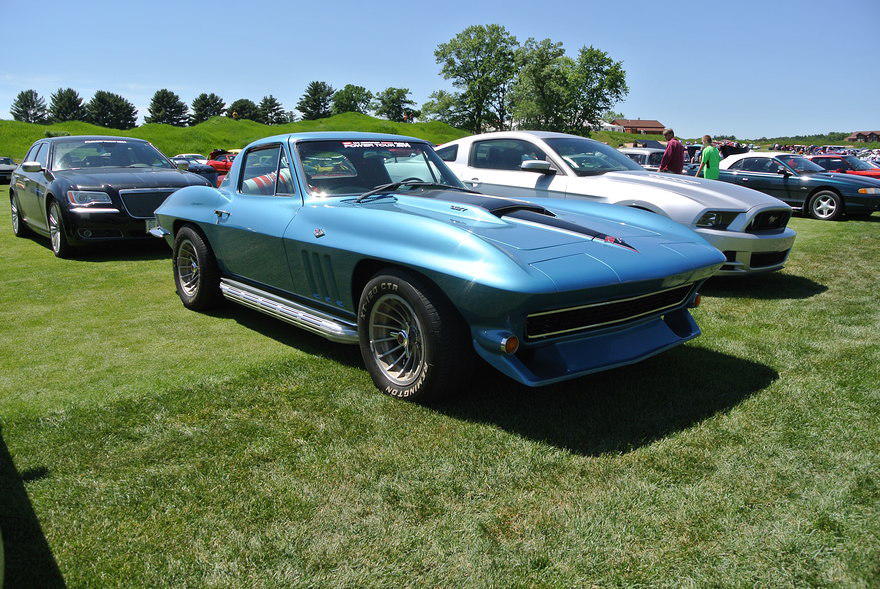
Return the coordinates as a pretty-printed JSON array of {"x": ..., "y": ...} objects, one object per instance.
[
  {"x": 315, "y": 103},
  {"x": 167, "y": 108},
  {"x": 206, "y": 106},
  {"x": 243, "y": 109},
  {"x": 111, "y": 110},
  {"x": 271, "y": 112},
  {"x": 29, "y": 107},
  {"x": 66, "y": 105}
]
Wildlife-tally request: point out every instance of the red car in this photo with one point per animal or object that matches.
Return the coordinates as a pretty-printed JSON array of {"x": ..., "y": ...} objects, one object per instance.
[
  {"x": 845, "y": 164},
  {"x": 221, "y": 160}
]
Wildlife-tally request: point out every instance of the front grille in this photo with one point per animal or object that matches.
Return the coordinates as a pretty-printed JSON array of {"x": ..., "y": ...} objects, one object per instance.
[
  {"x": 550, "y": 323},
  {"x": 762, "y": 259},
  {"x": 769, "y": 220},
  {"x": 141, "y": 203}
]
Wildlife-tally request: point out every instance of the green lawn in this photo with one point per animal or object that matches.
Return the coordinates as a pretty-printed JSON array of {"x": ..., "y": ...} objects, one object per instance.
[{"x": 143, "y": 444}]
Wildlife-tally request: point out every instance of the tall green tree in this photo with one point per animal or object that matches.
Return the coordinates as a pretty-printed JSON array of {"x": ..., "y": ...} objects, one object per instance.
[
  {"x": 480, "y": 62},
  {"x": 271, "y": 111},
  {"x": 243, "y": 108},
  {"x": 540, "y": 92},
  {"x": 65, "y": 104},
  {"x": 206, "y": 106},
  {"x": 445, "y": 107},
  {"x": 29, "y": 107},
  {"x": 610, "y": 115},
  {"x": 167, "y": 108},
  {"x": 351, "y": 98},
  {"x": 315, "y": 102},
  {"x": 111, "y": 110},
  {"x": 596, "y": 83},
  {"x": 395, "y": 105}
]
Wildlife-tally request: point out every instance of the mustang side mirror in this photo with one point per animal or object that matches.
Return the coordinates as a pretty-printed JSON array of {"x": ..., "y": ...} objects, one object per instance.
[
  {"x": 783, "y": 171},
  {"x": 539, "y": 166},
  {"x": 183, "y": 166},
  {"x": 32, "y": 167}
]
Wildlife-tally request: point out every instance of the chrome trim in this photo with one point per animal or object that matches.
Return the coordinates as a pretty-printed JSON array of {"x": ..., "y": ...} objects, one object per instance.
[
  {"x": 323, "y": 324},
  {"x": 92, "y": 210},
  {"x": 158, "y": 231}
]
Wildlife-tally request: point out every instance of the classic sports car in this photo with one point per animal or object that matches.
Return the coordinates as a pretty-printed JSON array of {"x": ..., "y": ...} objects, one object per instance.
[
  {"x": 78, "y": 190},
  {"x": 749, "y": 227},
  {"x": 846, "y": 164},
  {"x": 803, "y": 185},
  {"x": 7, "y": 165},
  {"x": 369, "y": 238}
]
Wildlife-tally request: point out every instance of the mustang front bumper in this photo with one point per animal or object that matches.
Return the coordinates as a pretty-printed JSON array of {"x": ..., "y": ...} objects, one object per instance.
[{"x": 748, "y": 253}]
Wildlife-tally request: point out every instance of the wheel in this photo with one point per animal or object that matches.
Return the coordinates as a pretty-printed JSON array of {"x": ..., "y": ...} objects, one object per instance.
[
  {"x": 196, "y": 274},
  {"x": 413, "y": 341},
  {"x": 826, "y": 205},
  {"x": 57, "y": 235},
  {"x": 19, "y": 227}
]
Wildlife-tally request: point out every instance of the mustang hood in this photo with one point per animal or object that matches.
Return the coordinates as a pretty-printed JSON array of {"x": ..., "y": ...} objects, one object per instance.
[{"x": 122, "y": 178}]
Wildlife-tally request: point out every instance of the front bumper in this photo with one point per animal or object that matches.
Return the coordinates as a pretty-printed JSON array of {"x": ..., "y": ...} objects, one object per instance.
[
  {"x": 93, "y": 224},
  {"x": 750, "y": 253}
]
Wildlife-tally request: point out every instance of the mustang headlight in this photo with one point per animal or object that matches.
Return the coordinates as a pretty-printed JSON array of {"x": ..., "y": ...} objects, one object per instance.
[
  {"x": 717, "y": 219},
  {"x": 88, "y": 197},
  {"x": 869, "y": 190}
]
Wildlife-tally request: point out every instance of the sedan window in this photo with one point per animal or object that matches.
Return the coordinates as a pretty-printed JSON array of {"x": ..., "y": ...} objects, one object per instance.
[
  {"x": 504, "y": 154},
  {"x": 43, "y": 154}
]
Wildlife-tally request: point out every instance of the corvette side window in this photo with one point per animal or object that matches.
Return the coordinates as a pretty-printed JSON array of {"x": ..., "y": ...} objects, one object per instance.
[
  {"x": 260, "y": 170},
  {"x": 285, "y": 180}
]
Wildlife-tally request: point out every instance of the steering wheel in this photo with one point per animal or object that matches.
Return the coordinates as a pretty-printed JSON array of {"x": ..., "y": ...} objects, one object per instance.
[{"x": 411, "y": 179}]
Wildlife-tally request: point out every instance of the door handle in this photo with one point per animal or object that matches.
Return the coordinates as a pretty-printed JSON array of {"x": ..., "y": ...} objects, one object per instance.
[
  {"x": 220, "y": 213},
  {"x": 475, "y": 181},
  {"x": 743, "y": 179}
]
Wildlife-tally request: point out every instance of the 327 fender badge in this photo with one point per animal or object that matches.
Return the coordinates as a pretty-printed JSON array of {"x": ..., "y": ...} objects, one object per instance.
[{"x": 319, "y": 232}]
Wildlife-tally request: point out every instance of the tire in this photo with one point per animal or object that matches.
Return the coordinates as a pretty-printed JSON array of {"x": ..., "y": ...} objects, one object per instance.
[
  {"x": 414, "y": 343},
  {"x": 19, "y": 227},
  {"x": 825, "y": 205},
  {"x": 196, "y": 274},
  {"x": 57, "y": 233}
]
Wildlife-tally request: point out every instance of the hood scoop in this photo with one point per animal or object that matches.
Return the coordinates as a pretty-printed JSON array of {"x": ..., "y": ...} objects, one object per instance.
[
  {"x": 536, "y": 219},
  {"x": 496, "y": 205}
]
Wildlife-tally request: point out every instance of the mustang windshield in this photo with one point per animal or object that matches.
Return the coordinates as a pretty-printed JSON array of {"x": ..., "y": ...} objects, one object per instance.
[
  {"x": 588, "y": 158},
  {"x": 106, "y": 153},
  {"x": 799, "y": 164},
  {"x": 339, "y": 168},
  {"x": 857, "y": 164}
]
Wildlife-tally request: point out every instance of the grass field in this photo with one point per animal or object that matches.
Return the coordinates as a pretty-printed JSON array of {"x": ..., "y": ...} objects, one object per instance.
[{"x": 143, "y": 444}]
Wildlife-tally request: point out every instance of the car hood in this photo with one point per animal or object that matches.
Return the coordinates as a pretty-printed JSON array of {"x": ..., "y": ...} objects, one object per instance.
[
  {"x": 123, "y": 178},
  {"x": 708, "y": 193},
  {"x": 7, "y": 167},
  {"x": 849, "y": 179}
]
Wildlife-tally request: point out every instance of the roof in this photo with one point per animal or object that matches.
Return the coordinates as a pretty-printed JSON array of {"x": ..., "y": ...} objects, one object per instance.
[
  {"x": 738, "y": 156},
  {"x": 640, "y": 150},
  {"x": 90, "y": 137},
  {"x": 337, "y": 136},
  {"x": 645, "y": 123}
]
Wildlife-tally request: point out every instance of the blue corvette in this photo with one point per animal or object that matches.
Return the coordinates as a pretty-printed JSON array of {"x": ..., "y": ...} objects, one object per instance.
[{"x": 371, "y": 239}]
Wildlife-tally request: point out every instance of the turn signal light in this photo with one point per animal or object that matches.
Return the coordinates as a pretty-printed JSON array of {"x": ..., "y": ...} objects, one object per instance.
[{"x": 510, "y": 345}]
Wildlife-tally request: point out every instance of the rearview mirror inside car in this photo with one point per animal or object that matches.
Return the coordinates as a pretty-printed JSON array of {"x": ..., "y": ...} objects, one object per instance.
[
  {"x": 540, "y": 166},
  {"x": 32, "y": 167}
]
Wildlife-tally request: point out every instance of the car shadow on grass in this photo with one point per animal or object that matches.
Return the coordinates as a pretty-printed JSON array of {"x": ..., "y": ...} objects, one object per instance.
[
  {"x": 771, "y": 286},
  {"x": 114, "y": 251},
  {"x": 615, "y": 411},
  {"x": 29, "y": 560}
]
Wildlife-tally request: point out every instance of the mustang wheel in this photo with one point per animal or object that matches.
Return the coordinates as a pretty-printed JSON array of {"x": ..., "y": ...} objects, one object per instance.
[
  {"x": 826, "y": 206},
  {"x": 196, "y": 274},
  {"x": 18, "y": 226},
  {"x": 60, "y": 246},
  {"x": 414, "y": 343}
]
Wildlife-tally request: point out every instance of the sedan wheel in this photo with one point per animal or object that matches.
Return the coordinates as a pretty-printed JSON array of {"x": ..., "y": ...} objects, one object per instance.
[
  {"x": 826, "y": 206},
  {"x": 60, "y": 247},
  {"x": 18, "y": 226}
]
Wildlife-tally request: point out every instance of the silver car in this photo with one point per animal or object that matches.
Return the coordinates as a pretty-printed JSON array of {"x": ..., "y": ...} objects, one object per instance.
[{"x": 748, "y": 226}]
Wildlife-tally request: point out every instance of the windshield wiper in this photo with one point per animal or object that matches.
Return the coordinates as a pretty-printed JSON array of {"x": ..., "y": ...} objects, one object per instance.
[{"x": 395, "y": 185}]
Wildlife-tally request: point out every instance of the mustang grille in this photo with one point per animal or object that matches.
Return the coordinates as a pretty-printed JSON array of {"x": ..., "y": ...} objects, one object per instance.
[
  {"x": 141, "y": 203},
  {"x": 549, "y": 323},
  {"x": 768, "y": 220}
]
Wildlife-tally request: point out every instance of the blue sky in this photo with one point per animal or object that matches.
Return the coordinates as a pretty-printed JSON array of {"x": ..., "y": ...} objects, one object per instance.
[{"x": 753, "y": 68}]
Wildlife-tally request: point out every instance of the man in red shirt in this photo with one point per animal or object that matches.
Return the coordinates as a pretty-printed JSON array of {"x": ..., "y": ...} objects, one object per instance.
[{"x": 673, "y": 157}]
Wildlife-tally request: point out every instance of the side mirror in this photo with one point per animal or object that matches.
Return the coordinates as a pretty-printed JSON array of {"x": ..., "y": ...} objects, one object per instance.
[
  {"x": 184, "y": 166},
  {"x": 32, "y": 167},
  {"x": 539, "y": 166},
  {"x": 783, "y": 171}
]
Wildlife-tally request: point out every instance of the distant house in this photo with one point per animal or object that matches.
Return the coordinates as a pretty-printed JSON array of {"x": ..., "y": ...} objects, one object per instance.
[
  {"x": 864, "y": 136},
  {"x": 606, "y": 126},
  {"x": 641, "y": 126}
]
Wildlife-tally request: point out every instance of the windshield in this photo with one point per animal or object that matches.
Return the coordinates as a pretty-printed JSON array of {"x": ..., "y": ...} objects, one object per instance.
[
  {"x": 106, "y": 153},
  {"x": 858, "y": 164},
  {"x": 800, "y": 164},
  {"x": 338, "y": 168},
  {"x": 587, "y": 157}
]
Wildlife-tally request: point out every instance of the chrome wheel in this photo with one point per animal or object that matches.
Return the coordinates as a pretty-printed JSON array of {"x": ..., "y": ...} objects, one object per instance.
[
  {"x": 824, "y": 206},
  {"x": 55, "y": 227},
  {"x": 188, "y": 268},
  {"x": 396, "y": 340},
  {"x": 16, "y": 220}
]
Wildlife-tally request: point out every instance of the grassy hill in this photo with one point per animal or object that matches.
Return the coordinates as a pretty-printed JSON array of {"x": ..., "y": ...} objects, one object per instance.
[{"x": 16, "y": 137}]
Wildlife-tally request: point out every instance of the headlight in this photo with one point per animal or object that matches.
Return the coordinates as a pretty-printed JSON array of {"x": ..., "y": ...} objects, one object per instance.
[
  {"x": 717, "y": 219},
  {"x": 86, "y": 197},
  {"x": 869, "y": 190}
]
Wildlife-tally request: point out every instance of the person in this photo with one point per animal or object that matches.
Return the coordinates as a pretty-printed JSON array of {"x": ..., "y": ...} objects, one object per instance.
[
  {"x": 673, "y": 158},
  {"x": 709, "y": 160}
]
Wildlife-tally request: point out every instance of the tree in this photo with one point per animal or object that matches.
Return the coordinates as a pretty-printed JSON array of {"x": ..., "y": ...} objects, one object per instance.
[
  {"x": 395, "y": 105},
  {"x": 596, "y": 83},
  {"x": 445, "y": 107},
  {"x": 111, "y": 110},
  {"x": 167, "y": 108},
  {"x": 352, "y": 99},
  {"x": 66, "y": 105},
  {"x": 29, "y": 107},
  {"x": 540, "y": 92},
  {"x": 271, "y": 112},
  {"x": 480, "y": 62},
  {"x": 206, "y": 106},
  {"x": 315, "y": 102},
  {"x": 243, "y": 109},
  {"x": 610, "y": 115}
]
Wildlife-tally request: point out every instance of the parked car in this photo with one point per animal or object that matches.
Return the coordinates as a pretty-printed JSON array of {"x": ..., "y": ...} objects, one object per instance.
[
  {"x": 221, "y": 160},
  {"x": 749, "y": 227},
  {"x": 78, "y": 190},
  {"x": 192, "y": 165},
  {"x": 802, "y": 184},
  {"x": 371, "y": 239},
  {"x": 193, "y": 157},
  {"x": 647, "y": 157},
  {"x": 7, "y": 165},
  {"x": 846, "y": 164}
]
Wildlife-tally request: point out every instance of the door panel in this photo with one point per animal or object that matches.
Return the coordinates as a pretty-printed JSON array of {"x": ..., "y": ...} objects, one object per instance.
[{"x": 518, "y": 184}]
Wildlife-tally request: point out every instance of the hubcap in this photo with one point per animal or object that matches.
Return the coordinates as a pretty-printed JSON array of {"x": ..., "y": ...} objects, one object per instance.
[
  {"x": 396, "y": 340},
  {"x": 55, "y": 227},
  {"x": 188, "y": 268},
  {"x": 15, "y": 219},
  {"x": 824, "y": 206}
]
